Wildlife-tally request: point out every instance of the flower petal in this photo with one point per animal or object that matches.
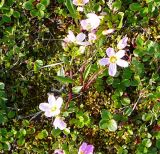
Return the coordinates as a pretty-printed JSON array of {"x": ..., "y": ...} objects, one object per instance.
[
  {"x": 82, "y": 148},
  {"x": 120, "y": 53},
  {"x": 112, "y": 69},
  {"x": 48, "y": 113},
  {"x": 71, "y": 36},
  {"x": 55, "y": 113},
  {"x": 44, "y": 106},
  {"x": 85, "y": 24},
  {"x": 110, "y": 52},
  {"x": 59, "y": 123},
  {"x": 59, "y": 102},
  {"x": 109, "y": 31},
  {"x": 122, "y": 43},
  {"x": 84, "y": 43},
  {"x": 94, "y": 20},
  {"x": 104, "y": 61},
  {"x": 80, "y": 37},
  {"x": 89, "y": 149},
  {"x": 92, "y": 36},
  {"x": 75, "y": 2},
  {"x": 51, "y": 99},
  {"x": 58, "y": 151},
  {"x": 85, "y": 1},
  {"x": 122, "y": 63}
]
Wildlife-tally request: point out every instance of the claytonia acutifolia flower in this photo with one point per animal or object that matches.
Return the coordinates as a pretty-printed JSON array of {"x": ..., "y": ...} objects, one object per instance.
[
  {"x": 109, "y": 31},
  {"x": 113, "y": 60},
  {"x": 122, "y": 43},
  {"x": 79, "y": 39},
  {"x": 59, "y": 123},
  {"x": 91, "y": 23},
  {"x": 86, "y": 148},
  {"x": 52, "y": 108},
  {"x": 80, "y": 2},
  {"x": 58, "y": 151}
]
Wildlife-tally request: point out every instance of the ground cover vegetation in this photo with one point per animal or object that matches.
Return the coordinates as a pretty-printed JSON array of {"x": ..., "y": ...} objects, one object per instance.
[{"x": 79, "y": 76}]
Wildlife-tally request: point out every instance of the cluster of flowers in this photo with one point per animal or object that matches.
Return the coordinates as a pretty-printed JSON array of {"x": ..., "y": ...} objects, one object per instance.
[
  {"x": 52, "y": 109},
  {"x": 91, "y": 24},
  {"x": 83, "y": 149}
]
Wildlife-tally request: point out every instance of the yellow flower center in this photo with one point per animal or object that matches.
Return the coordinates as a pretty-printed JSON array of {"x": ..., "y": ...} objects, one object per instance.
[
  {"x": 80, "y": 2},
  {"x": 54, "y": 108},
  {"x": 113, "y": 59}
]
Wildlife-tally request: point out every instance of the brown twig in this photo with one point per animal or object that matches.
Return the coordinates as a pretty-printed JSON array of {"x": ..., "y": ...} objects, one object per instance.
[{"x": 92, "y": 79}]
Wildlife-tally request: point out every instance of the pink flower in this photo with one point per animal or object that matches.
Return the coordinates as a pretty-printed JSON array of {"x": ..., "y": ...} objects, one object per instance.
[
  {"x": 91, "y": 23},
  {"x": 58, "y": 151},
  {"x": 52, "y": 108},
  {"x": 59, "y": 123},
  {"x": 114, "y": 60},
  {"x": 122, "y": 43},
  {"x": 109, "y": 31},
  {"x": 80, "y": 2},
  {"x": 86, "y": 149},
  {"x": 79, "y": 39}
]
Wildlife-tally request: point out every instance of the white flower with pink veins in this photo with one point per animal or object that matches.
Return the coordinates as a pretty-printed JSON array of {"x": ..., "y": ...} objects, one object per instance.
[
  {"x": 52, "y": 108},
  {"x": 79, "y": 39},
  {"x": 92, "y": 22}
]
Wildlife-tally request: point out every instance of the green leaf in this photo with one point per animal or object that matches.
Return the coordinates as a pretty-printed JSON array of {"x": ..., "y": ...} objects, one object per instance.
[
  {"x": 16, "y": 14},
  {"x": 117, "y": 4},
  {"x": 139, "y": 41},
  {"x": 41, "y": 13},
  {"x": 55, "y": 132},
  {"x": 45, "y": 2},
  {"x": 11, "y": 114},
  {"x": 87, "y": 71},
  {"x": 25, "y": 123},
  {"x": 112, "y": 125},
  {"x": 2, "y": 3},
  {"x": 21, "y": 141},
  {"x": 135, "y": 6},
  {"x": 126, "y": 101},
  {"x": 37, "y": 65},
  {"x": 128, "y": 111},
  {"x": 40, "y": 6},
  {"x": 158, "y": 144},
  {"x": 146, "y": 116},
  {"x": 28, "y": 5},
  {"x": 63, "y": 79},
  {"x": 77, "y": 89},
  {"x": 103, "y": 124},
  {"x": 1, "y": 85},
  {"x": 121, "y": 19},
  {"x": 42, "y": 134},
  {"x": 71, "y": 8},
  {"x": 6, "y": 146},
  {"x": 22, "y": 132},
  {"x": 6, "y": 18},
  {"x": 34, "y": 13},
  {"x": 147, "y": 142},
  {"x": 106, "y": 115}
]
